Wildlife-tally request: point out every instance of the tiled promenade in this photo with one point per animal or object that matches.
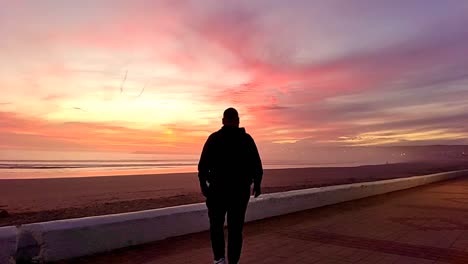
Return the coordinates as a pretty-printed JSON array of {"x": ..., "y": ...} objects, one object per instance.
[{"x": 428, "y": 224}]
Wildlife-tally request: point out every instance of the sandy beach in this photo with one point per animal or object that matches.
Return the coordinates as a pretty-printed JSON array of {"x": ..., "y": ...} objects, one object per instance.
[{"x": 37, "y": 200}]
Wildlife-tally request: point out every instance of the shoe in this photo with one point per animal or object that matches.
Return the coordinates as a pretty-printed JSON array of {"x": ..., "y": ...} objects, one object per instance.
[{"x": 220, "y": 261}]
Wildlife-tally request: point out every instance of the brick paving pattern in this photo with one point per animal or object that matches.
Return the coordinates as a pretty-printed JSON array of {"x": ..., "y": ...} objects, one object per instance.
[{"x": 427, "y": 224}]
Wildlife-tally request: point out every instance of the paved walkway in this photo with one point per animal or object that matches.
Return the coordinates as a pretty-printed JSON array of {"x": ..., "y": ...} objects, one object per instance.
[{"x": 428, "y": 224}]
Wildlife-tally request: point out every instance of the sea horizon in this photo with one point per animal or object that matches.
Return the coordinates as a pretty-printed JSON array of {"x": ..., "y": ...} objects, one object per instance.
[{"x": 42, "y": 169}]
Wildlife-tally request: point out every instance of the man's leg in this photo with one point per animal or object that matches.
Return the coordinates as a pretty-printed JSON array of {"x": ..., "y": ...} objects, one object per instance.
[
  {"x": 235, "y": 219},
  {"x": 216, "y": 213}
]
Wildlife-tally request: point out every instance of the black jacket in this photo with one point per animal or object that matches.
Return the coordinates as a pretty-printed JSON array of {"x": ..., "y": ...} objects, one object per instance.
[{"x": 230, "y": 159}]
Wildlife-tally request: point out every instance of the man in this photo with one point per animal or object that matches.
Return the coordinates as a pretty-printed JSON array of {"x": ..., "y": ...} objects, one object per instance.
[{"x": 228, "y": 166}]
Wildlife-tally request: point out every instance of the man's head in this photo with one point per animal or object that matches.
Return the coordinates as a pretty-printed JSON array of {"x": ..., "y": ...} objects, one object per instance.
[{"x": 231, "y": 117}]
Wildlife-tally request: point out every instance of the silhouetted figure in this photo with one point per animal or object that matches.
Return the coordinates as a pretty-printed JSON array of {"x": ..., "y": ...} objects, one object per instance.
[{"x": 228, "y": 166}]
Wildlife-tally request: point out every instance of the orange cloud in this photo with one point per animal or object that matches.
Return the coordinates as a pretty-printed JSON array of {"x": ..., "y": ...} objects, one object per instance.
[{"x": 20, "y": 132}]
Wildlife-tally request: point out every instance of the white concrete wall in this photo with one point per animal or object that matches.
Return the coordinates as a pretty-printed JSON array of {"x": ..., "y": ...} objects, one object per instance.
[
  {"x": 64, "y": 239},
  {"x": 8, "y": 243},
  {"x": 269, "y": 205},
  {"x": 83, "y": 236}
]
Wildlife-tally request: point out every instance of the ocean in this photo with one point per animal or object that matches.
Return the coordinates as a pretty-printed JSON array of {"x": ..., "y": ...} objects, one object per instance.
[
  {"x": 36, "y": 169},
  {"x": 49, "y": 164}
]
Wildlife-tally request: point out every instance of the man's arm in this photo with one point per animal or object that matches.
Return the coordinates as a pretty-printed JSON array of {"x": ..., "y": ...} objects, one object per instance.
[
  {"x": 257, "y": 168},
  {"x": 204, "y": 166}
]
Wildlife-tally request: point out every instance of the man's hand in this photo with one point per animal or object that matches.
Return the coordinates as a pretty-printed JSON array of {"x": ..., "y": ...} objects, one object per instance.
[
  {"x": 256, "y": 191},
  {"x": 204, "y": 189}
]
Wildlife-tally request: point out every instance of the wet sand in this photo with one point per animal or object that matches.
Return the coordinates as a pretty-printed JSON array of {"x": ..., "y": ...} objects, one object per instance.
[{"x": 37, "y": 200}]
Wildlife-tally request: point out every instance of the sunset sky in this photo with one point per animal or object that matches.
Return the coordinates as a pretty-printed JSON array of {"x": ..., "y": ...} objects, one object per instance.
[{"x": 155, "y": 76}]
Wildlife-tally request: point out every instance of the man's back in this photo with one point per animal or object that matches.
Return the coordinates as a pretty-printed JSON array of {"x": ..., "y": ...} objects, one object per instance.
[{"x": 230, "y": 158}]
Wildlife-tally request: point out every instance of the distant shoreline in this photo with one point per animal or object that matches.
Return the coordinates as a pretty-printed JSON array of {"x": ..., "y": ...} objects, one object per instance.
[
  {"x": 38, "y": 200},
  {"x": 51, "y": 171}
]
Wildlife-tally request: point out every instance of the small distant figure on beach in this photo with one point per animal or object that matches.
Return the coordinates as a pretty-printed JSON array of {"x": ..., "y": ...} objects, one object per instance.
[{"x": 228, "y": 166}]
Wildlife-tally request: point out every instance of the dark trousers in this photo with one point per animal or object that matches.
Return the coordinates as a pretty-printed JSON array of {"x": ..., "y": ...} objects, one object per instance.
[{"x": 233, "y": 204}]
